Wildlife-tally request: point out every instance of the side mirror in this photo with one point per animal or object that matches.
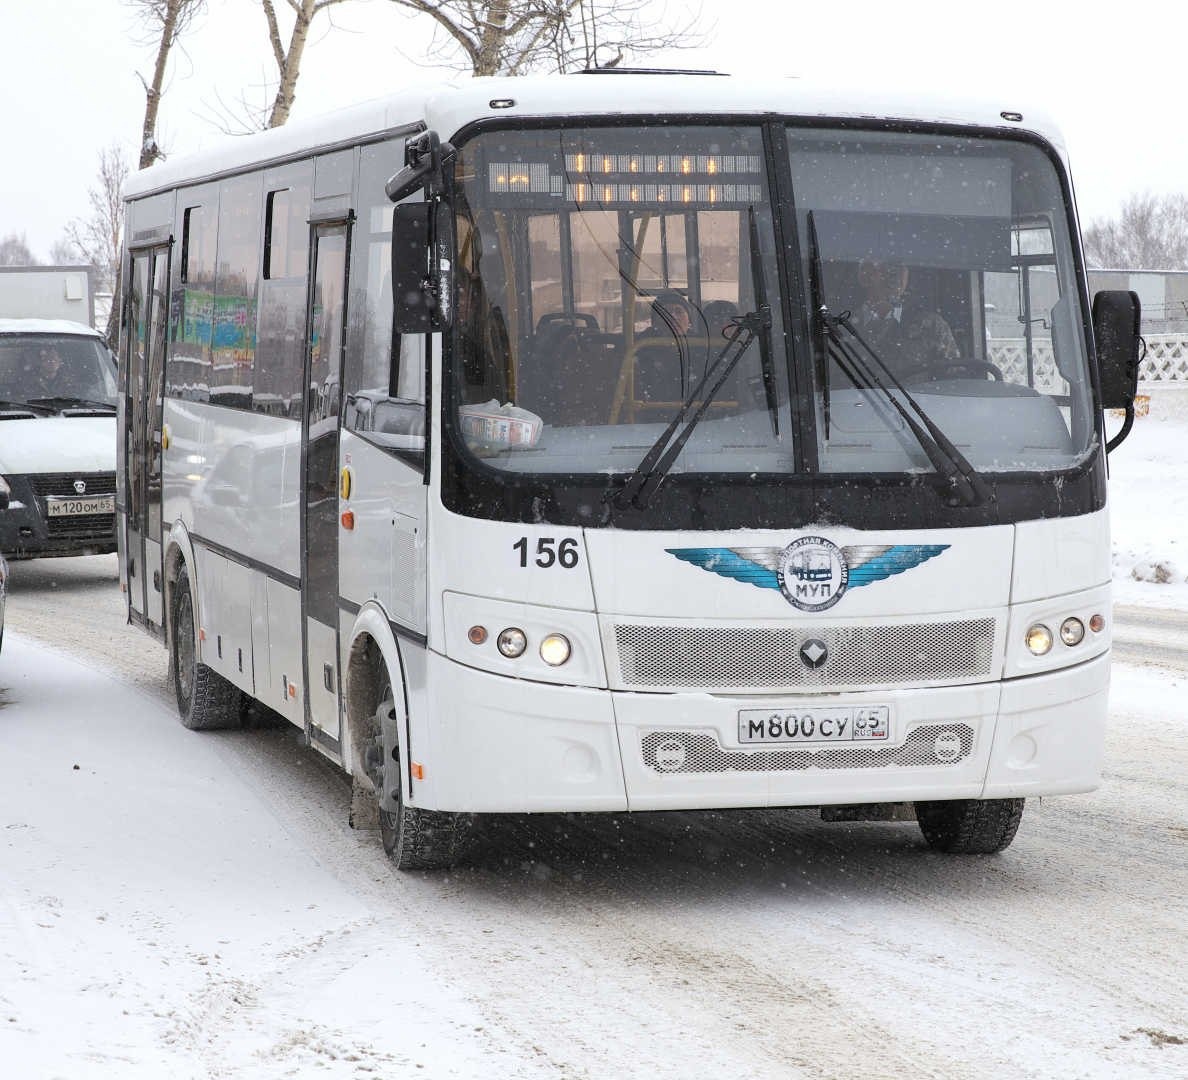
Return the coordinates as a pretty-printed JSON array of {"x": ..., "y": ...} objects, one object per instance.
[
  {"x": 422, "y": 267},
  {"x": 1116, "y": 318},
  {"x": 422, "y": 166}
]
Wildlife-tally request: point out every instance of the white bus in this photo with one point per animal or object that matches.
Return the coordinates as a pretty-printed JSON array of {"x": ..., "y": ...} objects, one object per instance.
[{"x": 624, "y": 504}]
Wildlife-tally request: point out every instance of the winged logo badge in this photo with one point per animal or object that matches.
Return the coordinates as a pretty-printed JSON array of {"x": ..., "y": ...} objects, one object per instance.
[{"x": 813, "y": 573}]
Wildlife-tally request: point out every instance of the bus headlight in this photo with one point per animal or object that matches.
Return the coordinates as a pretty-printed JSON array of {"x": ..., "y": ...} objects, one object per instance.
[
  {"x": 555, "y": 650},
  {"x": 512, "y": 642},
  {"x": 1072, "y": 631},
  {"x": 1038, "y": 639}
]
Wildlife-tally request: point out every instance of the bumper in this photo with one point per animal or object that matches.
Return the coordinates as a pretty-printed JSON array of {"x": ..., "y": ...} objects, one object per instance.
[
  {"x": 26, "y": 534},
  {"x": 501, "y": 745}
]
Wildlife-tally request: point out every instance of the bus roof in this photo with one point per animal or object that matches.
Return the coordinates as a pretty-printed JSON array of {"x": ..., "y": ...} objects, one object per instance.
[{"x": 448, "y": 107}]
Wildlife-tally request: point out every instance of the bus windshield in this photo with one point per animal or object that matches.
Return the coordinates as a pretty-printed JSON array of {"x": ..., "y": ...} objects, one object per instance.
[
  {"x": 602, "y": 270},
  {"x": 601, "y": 274}
]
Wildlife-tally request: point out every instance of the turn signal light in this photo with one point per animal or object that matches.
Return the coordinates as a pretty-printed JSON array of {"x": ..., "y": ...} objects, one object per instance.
[
  {"x": 1097, "y": 623},
  {"x": 417, "y": 770},
  {"x": 348, "y": 519},
  {"x": 476, "y": 635}
]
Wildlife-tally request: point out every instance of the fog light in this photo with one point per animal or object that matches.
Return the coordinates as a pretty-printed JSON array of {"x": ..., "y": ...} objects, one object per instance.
[
  {"x": 512, "y": 642},
  {"x": 1072, "y": 631},
  {"x": 476, "y": 635},
  {"x": 1097, "y": 623},
  {"x": 1039, "y": 639},
  {"x": 555, "y": 650}
]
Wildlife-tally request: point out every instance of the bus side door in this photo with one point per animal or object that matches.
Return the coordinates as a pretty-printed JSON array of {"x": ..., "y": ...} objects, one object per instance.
[
  {"x": 324, "y": 341},
  {"x": 143, "y": 380}
]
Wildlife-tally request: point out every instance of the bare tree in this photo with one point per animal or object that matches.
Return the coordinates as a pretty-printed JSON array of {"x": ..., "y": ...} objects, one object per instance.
[
  {"x": 165, "y": 21},
  {"x": 513, "y": 37},
  {"x": 288, "y": 60},
  {"x": 14, "y": 251},
  {"x": 1151, "y": 233},
  {"x": 96, "y": 239}
]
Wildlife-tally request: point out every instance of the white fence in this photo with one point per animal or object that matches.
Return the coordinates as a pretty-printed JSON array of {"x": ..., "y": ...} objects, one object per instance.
[
  {"x": 1167, "y": 359},
  {"x": 1165, "y": 364}
]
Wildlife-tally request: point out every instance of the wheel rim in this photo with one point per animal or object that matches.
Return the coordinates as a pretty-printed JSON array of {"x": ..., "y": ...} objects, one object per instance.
[
  {"x": 390, "y": 820},
  {"x": 183, "y": 657}
]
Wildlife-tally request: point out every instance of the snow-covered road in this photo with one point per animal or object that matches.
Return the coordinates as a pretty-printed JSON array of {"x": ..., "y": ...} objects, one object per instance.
[{"x": 194, "y": 905}]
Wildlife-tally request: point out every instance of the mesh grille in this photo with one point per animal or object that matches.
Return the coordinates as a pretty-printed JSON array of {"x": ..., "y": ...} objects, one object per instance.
[
  {"x": 63, "y": 483},
  {"x": 100, "y": 526},
  {"x": 702, "y": 753},
  {"x": 706, "y": 657}
]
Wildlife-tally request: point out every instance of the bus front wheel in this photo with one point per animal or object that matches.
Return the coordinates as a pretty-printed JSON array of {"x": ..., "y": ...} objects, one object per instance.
[
  {"x": 415, "y": 839},
  {"x": 205, "y": 700},
  {"x": 969, "y": 826}
]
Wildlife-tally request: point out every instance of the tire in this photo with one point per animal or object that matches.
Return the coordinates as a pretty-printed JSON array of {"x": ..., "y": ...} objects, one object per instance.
[
  {"x": 969, "y": 826},
  {"x": 205, "y": 700},
  {"x": 414, "y": 839}
]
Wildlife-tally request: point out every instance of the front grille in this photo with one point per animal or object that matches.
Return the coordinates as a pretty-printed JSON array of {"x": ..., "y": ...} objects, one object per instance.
[
  {"x": 733, "y": 657},
  {"x": 82, "y": 526},
  {"x": 700, "y": 752},
  {"x": 97, "y": 525},
  {"x": 62, "y": 484}
]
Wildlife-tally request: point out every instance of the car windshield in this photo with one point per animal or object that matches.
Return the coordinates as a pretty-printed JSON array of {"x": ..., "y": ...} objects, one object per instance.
[
  {"x": 601, "y": 272},
  {"x": 56, "y": 371}
]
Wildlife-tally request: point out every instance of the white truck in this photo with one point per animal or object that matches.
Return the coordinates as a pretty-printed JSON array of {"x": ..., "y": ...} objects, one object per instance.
[{"x": 48, "y": 292}]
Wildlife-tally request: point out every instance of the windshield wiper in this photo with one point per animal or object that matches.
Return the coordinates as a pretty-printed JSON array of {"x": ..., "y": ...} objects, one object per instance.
[
  {"x": 64, "y": 402},
  {"x": 28, "y": 406},
  {"x": 868, "y": 372},
  {"x": 763, "y": 311},
  {"x": 659, "y": 459},
  {"x": 662, "y": 454}
]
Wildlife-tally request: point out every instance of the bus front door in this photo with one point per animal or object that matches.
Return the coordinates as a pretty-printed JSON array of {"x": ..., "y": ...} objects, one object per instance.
[
  {"x": 325, "y": 325},
  {"x": 143, "y": 382}
]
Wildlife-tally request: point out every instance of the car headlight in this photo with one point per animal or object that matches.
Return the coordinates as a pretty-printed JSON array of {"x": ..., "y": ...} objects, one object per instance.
[
  {"x": 1038, "y": 639},
  {"x": 555, "y": 650},
  {"x": 512, "y": 642},
  {"x": 1072, "y": 631}
]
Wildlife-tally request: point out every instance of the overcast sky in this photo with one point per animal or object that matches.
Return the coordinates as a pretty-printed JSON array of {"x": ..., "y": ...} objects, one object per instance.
[{"x": 1110, "y": 75}]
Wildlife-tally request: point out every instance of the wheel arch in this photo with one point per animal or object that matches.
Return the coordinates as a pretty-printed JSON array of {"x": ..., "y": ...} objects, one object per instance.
[
  {"x": 371, "y": 640},
  {"x": 179, "y": 553}
]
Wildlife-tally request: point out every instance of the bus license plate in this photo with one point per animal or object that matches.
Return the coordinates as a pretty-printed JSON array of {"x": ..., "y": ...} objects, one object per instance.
[
  {"x": 100, "y": 504},
  {"x": 815, "y": 724}
]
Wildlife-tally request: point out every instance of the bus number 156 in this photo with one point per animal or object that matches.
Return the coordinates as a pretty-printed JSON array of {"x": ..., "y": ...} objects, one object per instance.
[{"x": 549, "y": 552}]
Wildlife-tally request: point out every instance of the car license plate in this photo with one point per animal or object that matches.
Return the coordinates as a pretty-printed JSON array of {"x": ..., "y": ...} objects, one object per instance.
[
  {"x": 809, "y": 724},
  {"x": 98, "y": 504}
]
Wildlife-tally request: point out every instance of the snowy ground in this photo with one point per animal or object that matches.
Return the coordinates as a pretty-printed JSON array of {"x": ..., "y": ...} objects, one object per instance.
[
  {"x": 1149, "y": 506},
  {"x": 175, "y": 904}
]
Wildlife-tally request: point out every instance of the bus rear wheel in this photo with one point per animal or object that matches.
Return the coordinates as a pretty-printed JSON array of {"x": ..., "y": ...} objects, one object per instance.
[
  {"x": 969, "y": 826},
  {"x": 414, "y": 839},
  {"x": 205, "y": 700}
]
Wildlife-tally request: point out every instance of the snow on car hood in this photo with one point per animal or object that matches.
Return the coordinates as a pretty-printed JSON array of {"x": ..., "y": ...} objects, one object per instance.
[{"x": 58, "y": 444}]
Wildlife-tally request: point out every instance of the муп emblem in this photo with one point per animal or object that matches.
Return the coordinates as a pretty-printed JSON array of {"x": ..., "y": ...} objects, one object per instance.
[{"x": 813, "y": 573}]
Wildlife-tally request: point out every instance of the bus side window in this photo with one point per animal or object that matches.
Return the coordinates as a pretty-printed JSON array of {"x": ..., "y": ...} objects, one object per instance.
[{"x": 384, "y": 375}]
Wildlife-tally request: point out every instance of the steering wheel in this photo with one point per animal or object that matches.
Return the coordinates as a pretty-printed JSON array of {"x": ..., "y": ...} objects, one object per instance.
[{"x": 973, "y": 369}]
